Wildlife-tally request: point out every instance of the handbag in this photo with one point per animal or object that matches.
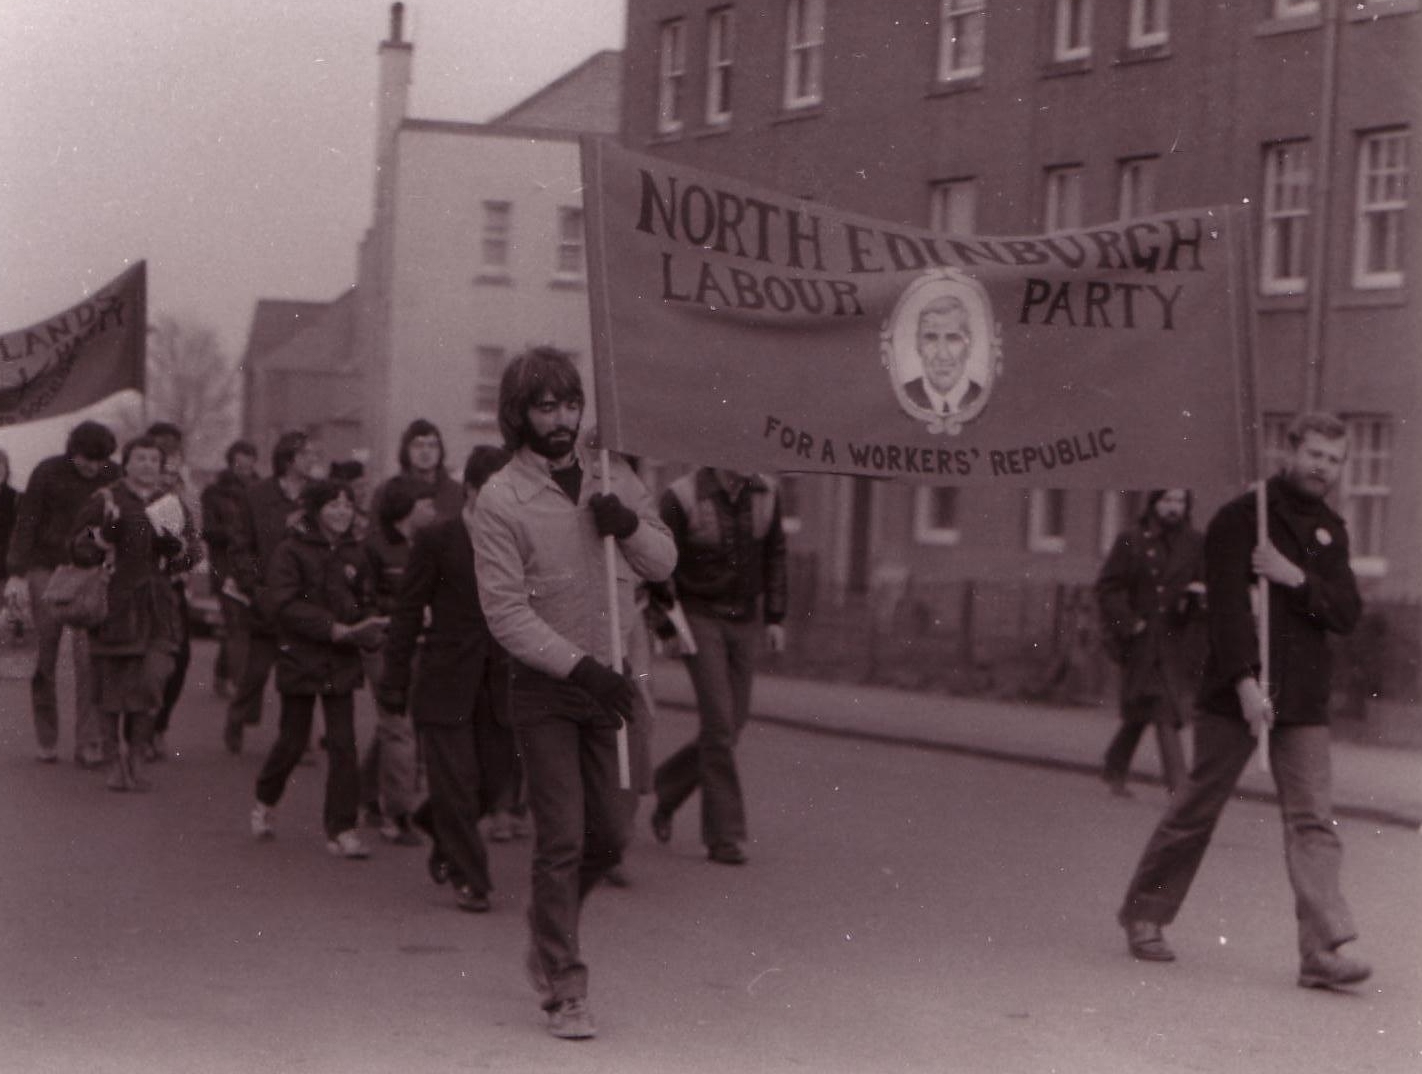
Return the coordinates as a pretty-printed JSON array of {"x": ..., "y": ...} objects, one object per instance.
[{"x": 78, "y": 596}]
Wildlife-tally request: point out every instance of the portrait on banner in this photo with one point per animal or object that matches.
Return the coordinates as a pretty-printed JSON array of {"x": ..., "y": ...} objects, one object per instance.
[{"x": 942, "y": 350}]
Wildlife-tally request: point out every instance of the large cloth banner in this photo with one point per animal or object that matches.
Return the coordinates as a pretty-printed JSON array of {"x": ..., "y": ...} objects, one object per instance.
[
  {"x": 740, "y": 327},
  {"x": 77, "y": 357}
]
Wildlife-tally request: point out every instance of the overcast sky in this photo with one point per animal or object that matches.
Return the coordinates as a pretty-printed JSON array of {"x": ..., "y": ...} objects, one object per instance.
[{"x": 229, "y": 142}]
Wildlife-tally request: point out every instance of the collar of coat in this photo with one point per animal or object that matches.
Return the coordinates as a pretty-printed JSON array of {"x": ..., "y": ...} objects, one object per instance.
[{"x": 529, "y": 472}]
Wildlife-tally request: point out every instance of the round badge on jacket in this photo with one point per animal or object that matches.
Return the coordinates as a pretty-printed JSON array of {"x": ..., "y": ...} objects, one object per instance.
[{"x": 1323, "y": 537}]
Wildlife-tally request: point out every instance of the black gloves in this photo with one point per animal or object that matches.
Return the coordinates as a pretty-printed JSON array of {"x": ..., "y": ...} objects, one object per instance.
[
  {"x": 612, "y": 517},
  {"x": 167, "y": 545},
  {"x": 613, "y": 691}
]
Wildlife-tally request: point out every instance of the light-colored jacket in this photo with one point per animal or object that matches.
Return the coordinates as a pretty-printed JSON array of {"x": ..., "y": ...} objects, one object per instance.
[{"x": 540, "y": 563}]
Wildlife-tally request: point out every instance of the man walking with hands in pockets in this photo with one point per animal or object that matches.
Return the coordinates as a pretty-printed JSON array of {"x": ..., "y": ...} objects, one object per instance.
[{"x": 539, "y": 529}]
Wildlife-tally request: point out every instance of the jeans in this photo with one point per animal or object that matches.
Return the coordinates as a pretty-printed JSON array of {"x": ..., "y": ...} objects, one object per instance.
[
  {"x": 389, "y": 771},
  {"x": 1135, "y": 718},
  {"x": 1299, "y": 760},
  {"x": 721, "y": 671},
  {"x": 570, "y": 764},
  {"x": 44, "y": 684},
  {"x": 342, "y": 772}
]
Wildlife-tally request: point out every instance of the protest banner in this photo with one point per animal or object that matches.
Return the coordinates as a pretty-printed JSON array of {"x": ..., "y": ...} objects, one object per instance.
[
  {"x": 79, "y": 356},
  {"x": 737, "y": 326}
]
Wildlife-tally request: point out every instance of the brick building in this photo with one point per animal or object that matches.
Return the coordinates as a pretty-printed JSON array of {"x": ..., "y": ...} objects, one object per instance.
[{"x": 996, "y": 117}]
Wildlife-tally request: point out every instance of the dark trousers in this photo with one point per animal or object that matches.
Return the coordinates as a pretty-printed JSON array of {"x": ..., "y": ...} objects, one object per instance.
[
  {"x": 342, "y": 771},
  {"x": 260, "y": 653},
  {"x": 1136, "y": 716},
  {"x": 173, "y": 687},
  {"x": 721, "y": 671},
  {"x": 1299, "y": 761},
  {"x": 570, "y": 764},
  {"x": 457, "y": 800}
]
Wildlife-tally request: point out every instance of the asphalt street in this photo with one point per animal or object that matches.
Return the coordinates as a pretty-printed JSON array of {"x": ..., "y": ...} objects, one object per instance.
[{"x": 903, "y": 910}]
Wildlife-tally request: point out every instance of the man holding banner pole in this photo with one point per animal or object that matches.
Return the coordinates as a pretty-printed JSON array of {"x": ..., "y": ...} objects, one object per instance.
[
  {"x": 1304, "y": 565},
  {"x": 540, "y": 529}
]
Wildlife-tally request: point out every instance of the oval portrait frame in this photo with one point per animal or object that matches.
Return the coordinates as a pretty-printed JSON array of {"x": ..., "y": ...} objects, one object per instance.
[{"x": 899, "y": 338}]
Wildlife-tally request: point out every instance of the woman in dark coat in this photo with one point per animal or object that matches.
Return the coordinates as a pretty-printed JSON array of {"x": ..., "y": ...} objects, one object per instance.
[
  {"x": 135, "y": 647},
  {"x": 459, "y": 697},
  {"x": 1151, "y": 594},
  {"x": 319, "y": 594}
]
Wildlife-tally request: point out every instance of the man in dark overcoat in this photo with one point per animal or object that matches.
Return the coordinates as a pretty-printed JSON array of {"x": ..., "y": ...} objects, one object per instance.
[
  {"x": 458, "y": 699},
  {"x": 1150, "y": 592}
]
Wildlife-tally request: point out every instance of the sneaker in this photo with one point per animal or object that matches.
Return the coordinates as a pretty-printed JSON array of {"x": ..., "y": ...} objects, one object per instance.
[
  {"x": 1329, "y": 969},
  {"x": 398, "y": 831},
  {"x": 47, "y": 755},
  {"x": 90, "y": 757},
  {"x": 261, "y": 818},
  {"x": 347, "y": 844},
  {"x": 571, "y": 1020}
]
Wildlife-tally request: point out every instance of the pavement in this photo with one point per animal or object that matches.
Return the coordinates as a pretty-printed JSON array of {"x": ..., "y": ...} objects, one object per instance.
[{"x": 1378, "y": 784}]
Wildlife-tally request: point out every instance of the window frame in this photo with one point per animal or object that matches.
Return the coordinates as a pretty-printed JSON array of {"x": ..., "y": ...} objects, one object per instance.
[
  {"x": 671, "y": 76},
  {"x": 804, "y": 55},
  {"x": 574, "y": 242},
  {"x": 1137, "y": 36},
  {"x": 1292, "y": 9},
  {"x": 1067, "y": 48},
  {"x": 1392, "y": 210},
  {"x": 1039, "y": 513},
  {"x": 1061, "y": 213},
  {"x": 1367, "y": 486},
  {"x": 1276, "y": 219},
  {"x": 1143, "y": 166},
  {"x": 954, "y": 14},
  {"x": 486, "y": 387},
  {"x": 720, "y": 57},
  {"x": 926, "y": 527},
  {"x": 950, "y": 199},
  {"x": 496, "y": 235}
]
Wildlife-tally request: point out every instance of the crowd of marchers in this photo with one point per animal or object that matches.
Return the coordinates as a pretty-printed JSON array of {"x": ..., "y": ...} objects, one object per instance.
[{"x": 477, "y": 610}]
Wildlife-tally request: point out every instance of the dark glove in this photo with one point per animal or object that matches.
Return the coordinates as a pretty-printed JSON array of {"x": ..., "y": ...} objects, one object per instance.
[
  {"x": 612, "y": 517},
  {"x": 390, "y": 698},
  {"x": 613, "y": 691},
  {"x": 167, "y": 546}
]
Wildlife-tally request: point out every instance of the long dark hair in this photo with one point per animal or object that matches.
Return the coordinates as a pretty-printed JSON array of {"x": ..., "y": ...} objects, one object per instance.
[{"x": 529, "y": 377}]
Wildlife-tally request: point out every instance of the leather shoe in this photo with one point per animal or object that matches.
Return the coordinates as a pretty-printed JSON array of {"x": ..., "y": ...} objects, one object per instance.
[
  {"x": 471, "y": 901},
  {"x": 1146, "y": 942},
  {"x": 726, "y": 854},
  {"x": 661, "y": 826},
  {"x": 1329, "y": 969}
]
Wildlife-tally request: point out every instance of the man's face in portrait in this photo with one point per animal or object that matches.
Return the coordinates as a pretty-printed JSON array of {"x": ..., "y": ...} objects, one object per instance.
[
  {"x": 944, "y": 340},
  {"x": 1316, "y": 464}
]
